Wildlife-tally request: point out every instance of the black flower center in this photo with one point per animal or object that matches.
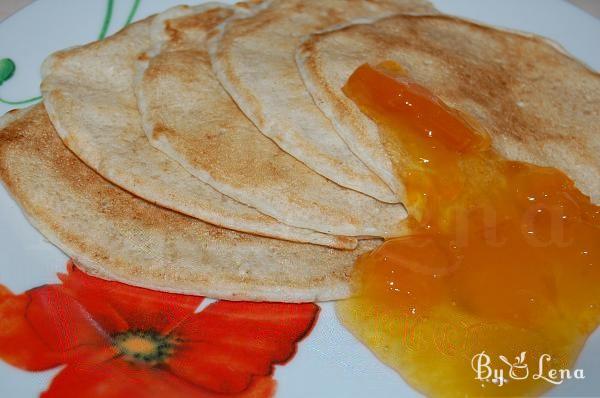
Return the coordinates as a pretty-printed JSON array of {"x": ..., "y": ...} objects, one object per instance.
[{"x": 144, "y": 346}]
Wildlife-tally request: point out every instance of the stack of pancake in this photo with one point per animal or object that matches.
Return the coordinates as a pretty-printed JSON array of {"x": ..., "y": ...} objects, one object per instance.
[{"x": 210, "y": 150}]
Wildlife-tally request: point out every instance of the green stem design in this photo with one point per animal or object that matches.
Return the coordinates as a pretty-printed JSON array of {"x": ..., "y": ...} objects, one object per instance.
[
  {"x": 136, "y": 5},
  {"x": 27, "y": 101},
  {"x": 107, "y": 18},
  {"x": 7, "y": 70},
  {"x": 103, "y": 32}
]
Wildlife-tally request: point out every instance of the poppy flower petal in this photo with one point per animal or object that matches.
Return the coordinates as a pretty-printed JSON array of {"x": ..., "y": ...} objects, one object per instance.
[
  {"x": 105, "y": 317},
  {"x": 20, "y": 345},
  {"x": 142, "y": 309},
  {"x": 234, "y": 341},
  {"x": 117, "y": 378},
  {"x": 62, "y": 322},
  {"x": 216, "y": 367},
  {"x": 260, "y": 327},
  {"x": 261, "y": 387}
]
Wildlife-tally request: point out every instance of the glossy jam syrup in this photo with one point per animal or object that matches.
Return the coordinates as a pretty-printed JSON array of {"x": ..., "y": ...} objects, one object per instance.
[{"x": 503, "y": 257}]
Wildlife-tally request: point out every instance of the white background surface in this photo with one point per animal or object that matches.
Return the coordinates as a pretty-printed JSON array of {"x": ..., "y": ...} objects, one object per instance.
[
  {"x": 8, "y": 7},
  {"x": 330, "y": 363}
]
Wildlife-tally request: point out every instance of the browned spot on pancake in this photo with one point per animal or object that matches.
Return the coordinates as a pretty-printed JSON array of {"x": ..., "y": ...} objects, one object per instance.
[
  {"x": 203, "y": 21},
  {"x": 172, "y": 32}
]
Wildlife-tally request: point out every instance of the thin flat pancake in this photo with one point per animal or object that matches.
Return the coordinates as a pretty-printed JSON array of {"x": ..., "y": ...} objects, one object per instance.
[
  {"x": 88, "y": 93},
  {"x": 189, "y": 116},
  {"x": 115, "y": 235},
  {"x": 538, "y": 104},
  {"x": 253, "y": 58}
]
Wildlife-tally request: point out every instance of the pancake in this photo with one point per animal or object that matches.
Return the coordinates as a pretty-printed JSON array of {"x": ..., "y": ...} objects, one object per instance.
[
  {"x": 115, "y": 235},
  {"x": 189, "y": 116},
  {"x": 253, "y": 57},
  {"x": 88, "y": 93},
  {"x": 538, "y": 104}
]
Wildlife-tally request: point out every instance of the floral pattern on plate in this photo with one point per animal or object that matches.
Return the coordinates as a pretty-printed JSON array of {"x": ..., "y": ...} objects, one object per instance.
[{"x": 116, "y": 340}]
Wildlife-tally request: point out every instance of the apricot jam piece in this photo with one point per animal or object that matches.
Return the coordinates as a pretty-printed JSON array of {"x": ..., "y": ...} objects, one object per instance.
[{"x": 504, "y": 256}]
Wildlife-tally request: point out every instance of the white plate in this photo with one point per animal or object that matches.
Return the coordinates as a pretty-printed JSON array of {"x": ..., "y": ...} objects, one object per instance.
[{"x": 330, "y": 362}]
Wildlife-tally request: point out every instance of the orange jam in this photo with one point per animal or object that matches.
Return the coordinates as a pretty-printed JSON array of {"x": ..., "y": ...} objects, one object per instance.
[{"x": 498, "y": 286}]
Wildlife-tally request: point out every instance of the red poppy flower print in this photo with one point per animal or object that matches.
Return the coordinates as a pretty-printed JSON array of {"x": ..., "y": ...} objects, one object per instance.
[{"x": 121, "y": 341}]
